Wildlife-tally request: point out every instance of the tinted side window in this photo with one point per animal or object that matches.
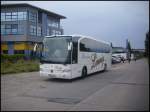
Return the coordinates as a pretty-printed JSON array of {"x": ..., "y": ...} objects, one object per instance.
[
  {"x": 84, "y": 45},
  {"x": 89, "y": 45}
]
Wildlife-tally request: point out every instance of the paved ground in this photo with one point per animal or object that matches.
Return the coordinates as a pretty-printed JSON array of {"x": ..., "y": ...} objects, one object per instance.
[{"x": 124, "y": 87}]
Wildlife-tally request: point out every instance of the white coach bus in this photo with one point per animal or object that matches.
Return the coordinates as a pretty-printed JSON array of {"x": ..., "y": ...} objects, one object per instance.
[{"x": 71, "y": 56}]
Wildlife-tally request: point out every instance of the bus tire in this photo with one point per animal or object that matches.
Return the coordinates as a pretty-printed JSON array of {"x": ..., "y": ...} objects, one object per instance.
[{"x": 84, "y": 72}]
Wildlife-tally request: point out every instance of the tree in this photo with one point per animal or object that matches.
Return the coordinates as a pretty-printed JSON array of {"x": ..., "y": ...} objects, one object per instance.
[
  {"x": 128, "y": 47},
  {"x": 111, "y": 44}
]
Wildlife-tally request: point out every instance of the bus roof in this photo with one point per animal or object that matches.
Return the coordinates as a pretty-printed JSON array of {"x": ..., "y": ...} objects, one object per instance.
[{"x": 76, "y": 35}]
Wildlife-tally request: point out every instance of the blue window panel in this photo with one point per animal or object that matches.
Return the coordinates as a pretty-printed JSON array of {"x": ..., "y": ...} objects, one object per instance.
[{"x": 10, "y": 48}]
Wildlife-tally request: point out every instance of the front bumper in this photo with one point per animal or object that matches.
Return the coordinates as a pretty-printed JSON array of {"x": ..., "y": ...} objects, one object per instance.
[{"x": 56, "y": 75}]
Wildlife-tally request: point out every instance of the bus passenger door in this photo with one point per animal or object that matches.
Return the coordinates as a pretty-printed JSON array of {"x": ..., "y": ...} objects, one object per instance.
[{"x": 74, "y": 60}]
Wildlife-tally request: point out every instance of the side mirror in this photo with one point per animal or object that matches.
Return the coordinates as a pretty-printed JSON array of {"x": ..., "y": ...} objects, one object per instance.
[
  {"x": 69, "y": 46},
  {"x": 35, "y": 47}
]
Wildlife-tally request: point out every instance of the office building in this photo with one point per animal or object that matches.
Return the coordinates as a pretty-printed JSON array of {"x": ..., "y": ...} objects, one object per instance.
[{"x": 23, "y": 25}]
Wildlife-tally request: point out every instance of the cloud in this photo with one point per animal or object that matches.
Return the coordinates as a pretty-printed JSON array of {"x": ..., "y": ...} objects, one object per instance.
[{"x": 112, "y": 21}]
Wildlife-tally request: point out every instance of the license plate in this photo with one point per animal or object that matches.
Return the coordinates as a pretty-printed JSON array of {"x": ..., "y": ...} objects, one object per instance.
[{"x": 52, "y": 76}]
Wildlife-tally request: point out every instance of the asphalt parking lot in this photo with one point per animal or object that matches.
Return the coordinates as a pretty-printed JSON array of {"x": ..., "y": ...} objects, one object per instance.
[{"x": 124, "y": 87}]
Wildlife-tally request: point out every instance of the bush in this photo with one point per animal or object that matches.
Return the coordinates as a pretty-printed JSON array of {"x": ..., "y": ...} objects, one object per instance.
[
  {"x": 21, "y": 65},
  {"x": 12, "y": 58}
]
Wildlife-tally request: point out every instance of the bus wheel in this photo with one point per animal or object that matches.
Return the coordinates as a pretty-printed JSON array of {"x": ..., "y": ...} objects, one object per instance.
[{"x": 84, "y": 72}]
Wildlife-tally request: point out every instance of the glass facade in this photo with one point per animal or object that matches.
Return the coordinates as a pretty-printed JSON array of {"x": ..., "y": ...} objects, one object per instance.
[
  {"x": 13, "y": 16},
  {"x": 58, "y": 33},
  {"x": 53, "y": 23},
  {"x": 25, "y": 23},
  {"x": 32, "y": 30},
  {"x": 2, "y": 29},
  {"x": 2, "y": 16},
  {"x": 22, "y": 15},
  {"x": 39, "y": 31},
  {"x": 7, "y": 29},
  {"x": 32, "y": 16},
  {"x": 55, "y": 32},
  {"x": 14, "y": 28}
]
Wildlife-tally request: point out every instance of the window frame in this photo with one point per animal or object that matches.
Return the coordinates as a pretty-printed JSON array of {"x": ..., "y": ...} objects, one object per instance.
[
  {"x": 33, "y": 31},
  {"x": 39, "y": 31},
  {"x": 10, "y": 29},
  {"x": 3, "y": 16},
  {"x": 14, "y": 16}
]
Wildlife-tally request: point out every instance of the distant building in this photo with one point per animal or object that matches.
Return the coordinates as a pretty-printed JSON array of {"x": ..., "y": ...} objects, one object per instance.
[
  {"x": 138, "y": 50},
  {"x": 118, "y": 49},
  {"x": 22, "y": 25}
]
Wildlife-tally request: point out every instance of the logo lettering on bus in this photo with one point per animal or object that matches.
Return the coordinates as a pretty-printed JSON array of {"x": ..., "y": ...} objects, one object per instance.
[{"x": 96, "y": 61}]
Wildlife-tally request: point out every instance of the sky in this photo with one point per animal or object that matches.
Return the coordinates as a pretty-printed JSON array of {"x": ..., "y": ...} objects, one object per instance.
[{"x": 111, "y": 21}]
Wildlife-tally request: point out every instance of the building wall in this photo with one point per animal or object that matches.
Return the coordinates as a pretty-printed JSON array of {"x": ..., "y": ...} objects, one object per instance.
[
  {"x": 22, "y": 24},
  {"x": 9, "y": 41},
  {"x": 24, "y": 41}
]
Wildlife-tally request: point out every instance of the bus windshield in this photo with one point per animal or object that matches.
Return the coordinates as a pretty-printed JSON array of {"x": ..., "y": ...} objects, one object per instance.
[{"x": 55, "y": 50}]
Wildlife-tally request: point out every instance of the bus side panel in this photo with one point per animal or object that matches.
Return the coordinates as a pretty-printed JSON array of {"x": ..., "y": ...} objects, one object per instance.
[
  {"x": 93, "y": 65},
  {"x": 94, "y": 55},
  {"x": 108, "y": 60},
  {"x": 76, "y": 70},
  {"x": 84, "y": 60}
]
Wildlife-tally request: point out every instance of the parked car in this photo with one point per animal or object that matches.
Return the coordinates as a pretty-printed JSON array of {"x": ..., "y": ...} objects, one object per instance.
[
  {"x": 121, "y": 57},
  {"x": 116, "y": 59}
]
